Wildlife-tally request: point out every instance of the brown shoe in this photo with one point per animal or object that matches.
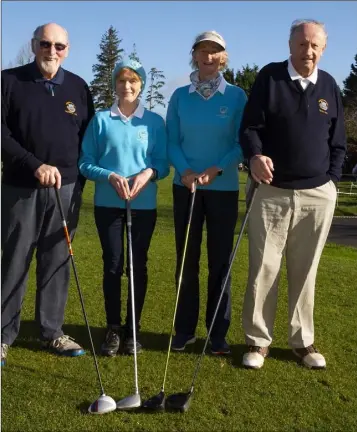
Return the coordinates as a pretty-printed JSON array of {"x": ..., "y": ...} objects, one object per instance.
[
  {"x": 254, "y": 358},
  {"x": 310, "y": 357}
]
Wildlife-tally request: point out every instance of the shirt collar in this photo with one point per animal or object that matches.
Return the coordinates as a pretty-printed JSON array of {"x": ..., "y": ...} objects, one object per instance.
[
  {"x": 294, "y": 75},
  {"x": 221, "y": 88},
  {"x": 115, "y": 112},
  {"x": 38, "y": 77}
]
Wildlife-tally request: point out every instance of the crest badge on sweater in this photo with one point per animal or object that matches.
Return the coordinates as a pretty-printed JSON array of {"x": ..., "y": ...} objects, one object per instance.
[
  {"x": 70, "y": 108},
  {"x": 323, "y": 106}
]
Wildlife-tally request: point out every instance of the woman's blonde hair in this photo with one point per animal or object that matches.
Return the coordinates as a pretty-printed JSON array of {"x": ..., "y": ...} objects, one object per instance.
[
  {"x": 223, "y": 63},
  {"x": 132, "y": 74}
]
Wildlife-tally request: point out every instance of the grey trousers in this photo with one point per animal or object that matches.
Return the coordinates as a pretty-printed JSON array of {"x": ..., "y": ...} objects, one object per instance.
[{"x": 31, "y": 221}]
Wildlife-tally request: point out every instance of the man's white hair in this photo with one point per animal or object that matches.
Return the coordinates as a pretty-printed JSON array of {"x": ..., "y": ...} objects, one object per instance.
[
  {"x": 39, "y": 31},
  {"x": 300, "y": 22}
]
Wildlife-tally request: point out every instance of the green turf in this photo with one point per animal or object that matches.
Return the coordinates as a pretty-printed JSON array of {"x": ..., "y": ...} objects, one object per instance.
[{"x": 41, "y": 392}]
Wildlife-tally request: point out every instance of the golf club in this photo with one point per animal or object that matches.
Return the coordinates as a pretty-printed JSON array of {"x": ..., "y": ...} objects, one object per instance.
[
  {"x": 157, "y": 402},
  {"x": 181, "y": 401},
  {"x": 103, "y": 404},
  {"x": 133, "y": 401}
]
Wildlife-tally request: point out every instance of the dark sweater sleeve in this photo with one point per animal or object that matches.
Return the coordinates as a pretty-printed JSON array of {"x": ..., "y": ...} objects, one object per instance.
[
  {"x": 253, "y": 121},
  {"x": 89, "y": 110},
  {"x": 12, "y": 152},
  {"x": 337, "y": 140}
]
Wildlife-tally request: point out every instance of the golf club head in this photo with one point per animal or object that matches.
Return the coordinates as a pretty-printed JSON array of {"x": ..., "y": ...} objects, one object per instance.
[
  {"x": 129, "y": 403},
  {"x": 155, "y": 403},
  {"x": 179, "y": 401},
  {"x": 102, "y": 405}
]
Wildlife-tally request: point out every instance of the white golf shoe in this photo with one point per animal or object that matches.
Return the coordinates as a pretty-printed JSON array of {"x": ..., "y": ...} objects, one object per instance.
[
  {"x": 310, "y": 357},
  {"x": 254, "y": 358}
]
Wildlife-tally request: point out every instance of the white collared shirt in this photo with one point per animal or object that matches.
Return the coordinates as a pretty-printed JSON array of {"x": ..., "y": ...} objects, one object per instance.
[
  {"x": 221, "y": 88},
  {"x": 115, "y": 112},
  {"x": 294, "y": 75}
]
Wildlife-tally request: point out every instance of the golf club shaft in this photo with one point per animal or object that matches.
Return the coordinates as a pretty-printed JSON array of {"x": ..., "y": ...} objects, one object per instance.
[
  {"x": 251, "y": 194},
  {"x": 70, "y": 250},
  {"x": 188, "y": 226},
  {"x": 131, "y": 275}
]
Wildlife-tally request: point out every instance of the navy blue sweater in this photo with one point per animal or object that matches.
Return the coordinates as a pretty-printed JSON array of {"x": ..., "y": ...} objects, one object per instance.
[
  {"x": 40, "y": 128},
  {"x": 301, "y": 131}
]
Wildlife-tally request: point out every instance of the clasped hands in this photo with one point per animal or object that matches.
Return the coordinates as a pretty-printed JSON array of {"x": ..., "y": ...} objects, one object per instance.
[
  {"x": 138, "y": 183},
  {"x": 189, "y": 177}
]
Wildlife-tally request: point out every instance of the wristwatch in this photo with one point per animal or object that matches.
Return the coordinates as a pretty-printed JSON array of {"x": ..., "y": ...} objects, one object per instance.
[{"x": 220, "y": 172}]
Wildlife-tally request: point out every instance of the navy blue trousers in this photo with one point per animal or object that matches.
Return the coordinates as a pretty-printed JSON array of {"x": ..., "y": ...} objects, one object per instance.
[
  {"x": 111, "y": 223},
  {"x": 219, "y": 209}
]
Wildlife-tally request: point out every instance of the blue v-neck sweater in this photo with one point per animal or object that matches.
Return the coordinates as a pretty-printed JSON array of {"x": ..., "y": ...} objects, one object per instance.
[{"x": 126, "y": 148}]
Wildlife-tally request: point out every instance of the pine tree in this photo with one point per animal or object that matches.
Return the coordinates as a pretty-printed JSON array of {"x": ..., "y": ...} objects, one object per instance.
[
  {"x": 110, "y": 54},
  {"x": 350, "y": 114},
  {"x": 244, "y": 78},
  {"x": 228, "y": 75},
  {"x": 134, "y": 54},
  {"x": 350, "y": 86},
  {"x": 154, "y": 96}
]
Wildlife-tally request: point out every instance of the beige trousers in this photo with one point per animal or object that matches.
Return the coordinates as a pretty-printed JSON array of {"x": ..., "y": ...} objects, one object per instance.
[{"x": 294, "y": 222}]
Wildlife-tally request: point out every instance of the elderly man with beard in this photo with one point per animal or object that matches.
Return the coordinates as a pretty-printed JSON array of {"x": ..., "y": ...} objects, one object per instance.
[
  {"x": 293, "y": 134},
  {"x": 45, "y": 111}
]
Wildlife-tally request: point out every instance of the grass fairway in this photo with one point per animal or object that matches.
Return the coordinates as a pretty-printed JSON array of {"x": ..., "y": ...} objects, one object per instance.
[{"x": 41, "y": 392}]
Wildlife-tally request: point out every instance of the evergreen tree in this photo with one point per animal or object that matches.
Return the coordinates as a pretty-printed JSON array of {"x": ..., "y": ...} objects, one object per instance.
[
  {"x": 134, "y": 54},
  {"x": 110, "y": 54},
  {"x": 244, "y": 78},
  {"x": 228, "y": 75},
  {"x": 154, "y": 96},
  {"x": 350, "y": 112},
  {"x": 350, "y": 86}
]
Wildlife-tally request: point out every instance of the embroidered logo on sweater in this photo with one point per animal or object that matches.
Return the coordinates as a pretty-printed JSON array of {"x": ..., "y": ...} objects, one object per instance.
[
  {"x": 323, "y": 106},
  {"x": 70, "y": 108},
  {"x": 223, "y": 112},
  {"x": 143, "y": 136}
]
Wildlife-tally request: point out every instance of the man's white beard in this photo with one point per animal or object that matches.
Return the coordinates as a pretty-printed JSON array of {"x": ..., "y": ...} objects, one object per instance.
[{"x": 50, "y": 67}]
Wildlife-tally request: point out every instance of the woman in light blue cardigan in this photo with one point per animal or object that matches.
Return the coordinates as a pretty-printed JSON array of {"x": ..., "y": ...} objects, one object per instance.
[
  {"x": 202, "y": 122},
  {"x": 124, "y": 152}
]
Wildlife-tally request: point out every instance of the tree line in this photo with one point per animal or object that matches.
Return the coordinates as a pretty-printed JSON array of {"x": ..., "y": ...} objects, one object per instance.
[{"x": 111, "y": 53}]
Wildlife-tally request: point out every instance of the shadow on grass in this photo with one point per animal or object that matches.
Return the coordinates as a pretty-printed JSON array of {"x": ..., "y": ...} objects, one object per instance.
[{"x": 29, "y": 332}]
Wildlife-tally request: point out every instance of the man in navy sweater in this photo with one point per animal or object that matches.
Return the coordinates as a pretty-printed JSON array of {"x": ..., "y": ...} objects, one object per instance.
[
  {"x": 45, "y": 110},
  {"x": 293, "y": 134}
]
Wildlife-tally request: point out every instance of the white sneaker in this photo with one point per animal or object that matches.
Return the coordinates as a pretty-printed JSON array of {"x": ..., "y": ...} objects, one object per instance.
[
  {"x": 64, "y": 345},
  {"x": 310, "y": 357},
  {"x": 254, "y": 358},
  {"x": 4, "y": 350}
]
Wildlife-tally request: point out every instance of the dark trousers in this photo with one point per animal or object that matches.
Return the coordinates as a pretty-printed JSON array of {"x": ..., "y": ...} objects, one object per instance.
[
  {"x": 220, "y": 211},
  {"x": 111, "y": 223},
  {"x": 31, "y": 220}
]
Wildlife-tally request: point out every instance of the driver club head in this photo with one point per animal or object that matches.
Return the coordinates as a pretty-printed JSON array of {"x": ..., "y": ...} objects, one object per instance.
[
  {"x": 102, "y": 405},
  {"x": 155, "y": 403},
  {"x": 179, "y": 401},
  {"x": 129, "y": 403}
]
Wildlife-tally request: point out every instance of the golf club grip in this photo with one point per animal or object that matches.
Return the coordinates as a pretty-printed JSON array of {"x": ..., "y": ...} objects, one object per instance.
[
  {"x": 64, "y": 223},
  {"x": 59, "y": 202},
  {"x": 128, "y": 212},
  {"x": 252, "y": 192},
  {"x": 70, "y": 250},
  {"x": 193, "y": 196}
]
